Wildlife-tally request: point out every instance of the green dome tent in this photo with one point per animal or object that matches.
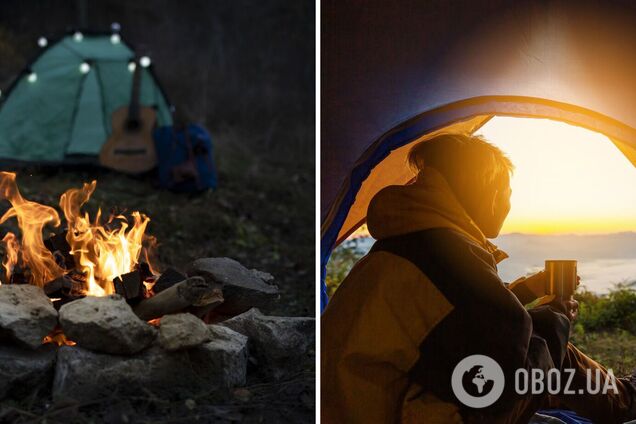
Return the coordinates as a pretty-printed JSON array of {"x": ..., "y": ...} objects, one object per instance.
[{"x": 58, "y": 110}]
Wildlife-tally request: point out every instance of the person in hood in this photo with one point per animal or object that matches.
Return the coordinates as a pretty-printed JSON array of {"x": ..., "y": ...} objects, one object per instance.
[{"x": 428, "y": 295}]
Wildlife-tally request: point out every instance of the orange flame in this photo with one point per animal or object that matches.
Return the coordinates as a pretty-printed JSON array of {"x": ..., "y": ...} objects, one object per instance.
[
  {"x": 32, "y": 218},
  {"x": 58, "y": 338},
  {"x": 12, "y": 247},
  {"x": 101, "y": 254}
]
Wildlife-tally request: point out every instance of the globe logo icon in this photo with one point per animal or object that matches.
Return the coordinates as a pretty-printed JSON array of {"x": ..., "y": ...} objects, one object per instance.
[{"x": 477, "y": 381}]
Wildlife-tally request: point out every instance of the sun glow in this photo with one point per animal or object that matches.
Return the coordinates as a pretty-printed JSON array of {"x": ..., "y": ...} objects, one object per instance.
[{"x": 567, "y": 179}]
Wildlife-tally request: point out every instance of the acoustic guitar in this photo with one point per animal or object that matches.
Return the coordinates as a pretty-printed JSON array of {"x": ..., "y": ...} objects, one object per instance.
[{"x": 130, "y": 147}]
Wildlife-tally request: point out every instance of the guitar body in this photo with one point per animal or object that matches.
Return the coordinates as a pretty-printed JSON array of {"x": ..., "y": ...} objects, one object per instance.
[{"x": 130, "y": 147}]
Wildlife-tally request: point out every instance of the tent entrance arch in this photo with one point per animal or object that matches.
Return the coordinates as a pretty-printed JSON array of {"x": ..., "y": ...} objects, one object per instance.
[{"x": 384, "y": 162}]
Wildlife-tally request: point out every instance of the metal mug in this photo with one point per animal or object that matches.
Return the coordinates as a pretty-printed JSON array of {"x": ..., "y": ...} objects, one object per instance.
[{"x": 560, "y": 277}]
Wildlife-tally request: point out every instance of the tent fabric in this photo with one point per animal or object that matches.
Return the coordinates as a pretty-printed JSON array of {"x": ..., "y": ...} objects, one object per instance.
[{"x": 63, "y": 111}]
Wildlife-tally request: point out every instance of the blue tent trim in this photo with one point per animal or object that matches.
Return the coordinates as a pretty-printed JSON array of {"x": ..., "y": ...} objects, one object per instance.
[{"x": 566, "y": 416}]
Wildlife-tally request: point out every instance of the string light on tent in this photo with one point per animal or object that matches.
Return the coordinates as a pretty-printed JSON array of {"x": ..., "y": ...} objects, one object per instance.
[
  {"x": 115, "y": 38},
  {"x": 78, "y": 36},
  {"x": 144, "y": 61},
  {"x": 85, "y": 68},
  {"x": 33, "y": 77},
  {"x": 131, "y": 66},
  {"x": 42, "y": 42}
]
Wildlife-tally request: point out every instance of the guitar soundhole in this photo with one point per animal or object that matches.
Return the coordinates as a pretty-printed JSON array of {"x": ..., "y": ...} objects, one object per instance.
[
  {"x": 130, "y": 152},
  {"x": 133, "y": 124}
]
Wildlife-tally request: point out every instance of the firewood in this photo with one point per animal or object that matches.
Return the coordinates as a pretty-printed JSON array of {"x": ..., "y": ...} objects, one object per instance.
[
  {"x": 130, "y": 286},
  {"x": 168, "y": 278},
  {"x": 61, "y": 250},
  {"x": 64, "y": 289},
  {"x": 191, "y": 292},
  {"x": 59, "y": 287},
  {"x": 243, "y": 288},
  {"x": 19, "y": 275},
  {"x": 144, "y": 271}
]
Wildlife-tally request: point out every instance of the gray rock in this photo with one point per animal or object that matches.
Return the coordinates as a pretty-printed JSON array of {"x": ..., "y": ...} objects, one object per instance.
[
  {"x": 22, "y": 370},
  {"x": 265, "y": 276},
  {"x": 105, "y": 324},
  {"x": 242, "y": 288},
  {"x": 282, "y": 345},
  {"x": 182, "y": 331},
  {"x": 26, "y": 314},
  {"x": 232, "y": 350},
  {"x": 212, "y": 367}
]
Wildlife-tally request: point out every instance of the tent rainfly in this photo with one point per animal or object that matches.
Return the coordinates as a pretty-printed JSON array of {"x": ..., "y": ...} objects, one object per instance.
[
  {"x": 59, "y": 109},
  {"x": 396, "y": 73}
]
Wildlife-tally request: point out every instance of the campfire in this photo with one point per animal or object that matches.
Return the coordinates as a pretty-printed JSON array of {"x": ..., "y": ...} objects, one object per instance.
[
  {"x": 85, "y": 258},
  {"x": 85, "y": 311}
]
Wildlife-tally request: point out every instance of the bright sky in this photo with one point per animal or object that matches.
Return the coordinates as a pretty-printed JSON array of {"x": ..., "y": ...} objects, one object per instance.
[{"x": 567, "y": 179}]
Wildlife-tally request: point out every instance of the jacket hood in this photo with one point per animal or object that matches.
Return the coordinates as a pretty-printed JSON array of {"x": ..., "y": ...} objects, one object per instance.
[{"x": 427, "y": 203}]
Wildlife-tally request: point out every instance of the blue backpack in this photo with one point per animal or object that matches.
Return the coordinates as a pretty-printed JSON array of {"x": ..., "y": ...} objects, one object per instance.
[{"x": 185, "y": 159}]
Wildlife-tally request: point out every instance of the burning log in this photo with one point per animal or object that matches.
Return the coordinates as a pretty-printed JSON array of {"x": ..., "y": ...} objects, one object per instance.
[
  {"x": 61, "y": 250},
  {"x": 130, "y": 286},
  {"x": 168, "y": 278},
  {"x": 145, "y": 273},
  {"x": 19, "y": 275},
  {"x": 64, "y": 286},
  {"x": 193, "y": 292},
  {"x": 65, "y": 289}
]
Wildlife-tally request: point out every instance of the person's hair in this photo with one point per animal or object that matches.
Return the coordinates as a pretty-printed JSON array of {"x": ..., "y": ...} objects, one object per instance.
[{"x": 469, "y": 163}]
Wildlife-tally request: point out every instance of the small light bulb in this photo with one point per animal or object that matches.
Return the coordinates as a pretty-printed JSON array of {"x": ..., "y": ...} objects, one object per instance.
[
  {"x": 42, "y": 42},
  {"x": 84, "y": 68},
  {"x": 132, "y": 66},
  {"x": 144, "y": 61},
  {"x": 33, "y": 77},
  {"x": 115, "y": 38},
  {"x": 115, "y": 27},
  {"x": 78, "y": 36}
]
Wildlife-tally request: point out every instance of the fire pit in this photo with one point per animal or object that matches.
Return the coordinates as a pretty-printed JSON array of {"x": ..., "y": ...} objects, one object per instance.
[{"x": 85, "y": 311}]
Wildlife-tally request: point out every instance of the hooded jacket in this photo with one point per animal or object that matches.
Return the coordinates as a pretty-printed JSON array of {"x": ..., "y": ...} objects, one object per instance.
[{"x": 425, "y": 297}]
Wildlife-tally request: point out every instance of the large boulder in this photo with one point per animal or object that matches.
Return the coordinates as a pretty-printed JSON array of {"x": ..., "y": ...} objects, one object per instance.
[
  {"x": 182, "y": 331},
  {"x": 242, "y": 288},
  {"x": 105, "y": 324},
  {"x": 282, "y": 345},
  {"x": 212, "y": 367},
  {"x": 23, "y": 370},
  {"x": 26, "y": 314}
]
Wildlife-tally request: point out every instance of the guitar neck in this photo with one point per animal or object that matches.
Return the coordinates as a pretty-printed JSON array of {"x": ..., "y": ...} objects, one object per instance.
[{"x": 133, "y": 107}]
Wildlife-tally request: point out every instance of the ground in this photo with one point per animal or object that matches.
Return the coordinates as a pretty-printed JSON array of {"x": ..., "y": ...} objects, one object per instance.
[{"x": 262, "y": 214}]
